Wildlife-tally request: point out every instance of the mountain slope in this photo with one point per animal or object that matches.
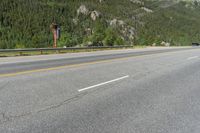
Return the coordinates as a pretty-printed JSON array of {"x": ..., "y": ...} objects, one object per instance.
[{"x": 26, "y": 23}]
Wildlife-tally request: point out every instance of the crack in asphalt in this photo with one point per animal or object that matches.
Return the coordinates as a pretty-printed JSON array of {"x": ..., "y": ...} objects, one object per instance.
[{"x": 7, "y": 118}]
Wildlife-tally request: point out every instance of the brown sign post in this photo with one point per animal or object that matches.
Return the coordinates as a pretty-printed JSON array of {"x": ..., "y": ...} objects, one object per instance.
[{"x": 54, "y": 28}]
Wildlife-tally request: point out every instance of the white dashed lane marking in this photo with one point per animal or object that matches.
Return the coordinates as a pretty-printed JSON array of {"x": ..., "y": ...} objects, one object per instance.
[{"x": 104, "y": 83}]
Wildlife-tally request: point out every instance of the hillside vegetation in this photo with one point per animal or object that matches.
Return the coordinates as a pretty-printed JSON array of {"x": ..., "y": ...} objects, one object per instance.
[{"x": 26, "y": 23}]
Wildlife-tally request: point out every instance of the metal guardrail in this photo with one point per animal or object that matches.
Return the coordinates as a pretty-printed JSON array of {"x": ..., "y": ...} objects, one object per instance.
[{"x": 58, "y": 49}]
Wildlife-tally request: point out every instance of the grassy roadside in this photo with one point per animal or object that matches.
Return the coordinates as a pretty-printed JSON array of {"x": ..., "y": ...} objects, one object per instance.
[{"x": 32, "y": 53}]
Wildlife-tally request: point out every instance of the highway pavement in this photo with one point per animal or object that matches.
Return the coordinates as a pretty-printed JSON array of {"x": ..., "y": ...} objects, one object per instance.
[{"x": 153, "y": 90}]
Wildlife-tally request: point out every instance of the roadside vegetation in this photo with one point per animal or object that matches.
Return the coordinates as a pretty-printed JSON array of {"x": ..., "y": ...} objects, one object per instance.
[{"x": 26, "y": 23}]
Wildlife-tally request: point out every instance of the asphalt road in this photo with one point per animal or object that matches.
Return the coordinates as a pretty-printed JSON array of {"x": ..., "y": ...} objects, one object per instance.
[
  {"x": 13, "y": 67},
  {"x": 127, "y": 91}
]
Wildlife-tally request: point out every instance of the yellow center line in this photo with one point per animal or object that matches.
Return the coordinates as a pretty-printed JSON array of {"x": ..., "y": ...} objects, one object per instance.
[
  {"x": 66, "y": 66},
  {"x": 75, "y": 65}
]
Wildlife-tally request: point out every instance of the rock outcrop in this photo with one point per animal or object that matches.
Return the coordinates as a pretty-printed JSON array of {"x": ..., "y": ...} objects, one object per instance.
[
  {"x": 85, "y": 11},
  {"x": 137, "y": 2},
  {"x": 147, "y": 10},
  {"x": 82, "y": 10},
  {"x": 94, "y": 15}
]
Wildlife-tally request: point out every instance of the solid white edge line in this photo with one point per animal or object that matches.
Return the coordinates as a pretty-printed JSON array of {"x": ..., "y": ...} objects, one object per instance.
[
  {"x": 194, "y": 57},
  {"x": 104, "y": 83}
]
